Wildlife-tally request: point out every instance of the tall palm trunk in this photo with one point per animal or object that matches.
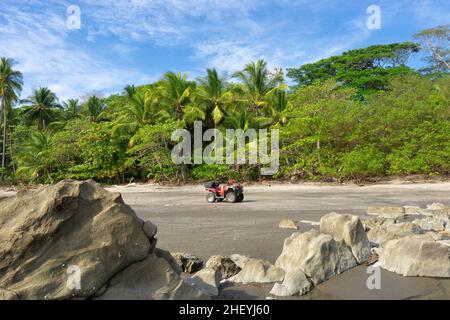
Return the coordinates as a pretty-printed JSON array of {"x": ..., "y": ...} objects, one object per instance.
[
  {"x": 1, "y": 118},
  {"x": 4, "y": 139}
]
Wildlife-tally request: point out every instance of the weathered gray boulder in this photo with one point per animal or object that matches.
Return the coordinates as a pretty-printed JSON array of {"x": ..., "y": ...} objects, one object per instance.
[
  {"x": 434, "y": 223},
  {"x": 188, "y": 262},
  {"x": 150, "y": 229},
  {"x": 56, "y": 235},
  {"x": 160, "y": 253},
  {"x": 348, "y": 228},
  {"x": 414, "y": 256},
  {"x": 287, "y": 224},
  {"x": 294, "y": 283},
  {"x": 258, "y": 271},
  {"x": 412, "y": 210},
  {"x": 436, "y": 209},
  {"x": 377, "y": 222},
  {"x": 207, "y": 280},
  {"x": 224, "y": 265},
  {"x": 381, "y": 235},
  {"x": 318, "y": 255},
  {"x": 151, "y": 279},
  {"x": 387, "y": 212},
  {"x": 239, "y": 259}
]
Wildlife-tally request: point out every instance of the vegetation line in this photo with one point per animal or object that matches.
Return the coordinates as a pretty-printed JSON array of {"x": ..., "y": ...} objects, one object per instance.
[{"x": 364, "y": 113}]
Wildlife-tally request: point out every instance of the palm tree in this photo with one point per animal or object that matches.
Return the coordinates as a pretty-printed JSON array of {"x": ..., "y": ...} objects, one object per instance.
[
  {"x": 72, "y": 109},
  {"x": 43, "y": 107},
  {"x": 94, "y": 108},
  {"x": 278, "y": 102},
  {"x": 173, "y": 92},
  {"x": 11, "y": 82},
  {"x": 213, "y": 92},
  {"x": 129, "y": 90},
  {"x": 135, "y": 114},
  {"x": 33, "y": 161},
  {"x": 258, "y": 82}
]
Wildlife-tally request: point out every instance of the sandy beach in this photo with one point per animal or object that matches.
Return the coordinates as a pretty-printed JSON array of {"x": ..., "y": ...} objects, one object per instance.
[{"x": 186, "y": 223}]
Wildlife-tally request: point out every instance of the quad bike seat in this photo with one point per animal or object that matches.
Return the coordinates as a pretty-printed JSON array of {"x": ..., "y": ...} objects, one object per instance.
[{"x": 212, "y": 184}]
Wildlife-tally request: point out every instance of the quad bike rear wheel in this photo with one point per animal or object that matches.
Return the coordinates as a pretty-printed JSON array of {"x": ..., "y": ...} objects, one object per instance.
[
  {"x": 240, "y": 197},
  {"x": 211, "y": 197},
  {"x": 231, "y": 197}
]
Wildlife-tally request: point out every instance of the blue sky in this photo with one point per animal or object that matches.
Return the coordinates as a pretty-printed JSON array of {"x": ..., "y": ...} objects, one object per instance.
[{"x": 135, "y": 41}]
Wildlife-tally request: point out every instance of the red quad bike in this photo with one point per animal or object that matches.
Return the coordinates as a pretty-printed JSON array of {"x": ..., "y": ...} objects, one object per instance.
[{"x": 230, "y": 192}]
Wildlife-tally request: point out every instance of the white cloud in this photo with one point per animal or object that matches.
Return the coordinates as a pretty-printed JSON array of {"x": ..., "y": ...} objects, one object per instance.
[
  {"x": 223, "y": 34},
  {"x": 40, "y": 43}
]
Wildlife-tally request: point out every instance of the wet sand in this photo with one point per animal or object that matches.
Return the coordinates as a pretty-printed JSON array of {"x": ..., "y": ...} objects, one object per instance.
[{"x": 186, "y": 223}]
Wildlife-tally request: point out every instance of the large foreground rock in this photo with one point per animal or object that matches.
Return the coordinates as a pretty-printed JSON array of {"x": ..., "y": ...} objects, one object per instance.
[
  {"x": 258, "y": 271},
  {"x": 318, "y": 255},
  {"x": 350, "y": 229},
  {"x": 414, "y": 256},
  {"x": 77, "y": 240},
  {"x": 151, "y": 279},
  {"x": 54, "y": 234}
]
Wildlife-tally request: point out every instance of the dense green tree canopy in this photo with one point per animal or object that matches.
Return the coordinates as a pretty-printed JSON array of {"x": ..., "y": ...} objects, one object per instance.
[
  {"x": 368, "y": 69},
  {"x": 362, "y": 114}
]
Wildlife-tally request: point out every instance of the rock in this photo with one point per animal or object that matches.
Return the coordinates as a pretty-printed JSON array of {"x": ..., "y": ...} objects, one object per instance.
[
  {"x": 6, "y": 294},
  {"x": 377, "y": 222},
  {"x": 414, "y": 256},
  {"x": 287, "y": 224},
  {"x": 350, "y": 229},
  {"x": 294, "y": 283},
  {"x": 224, "y": 265},
  {"x": 434, "y": 223},
  {"x": 436, "y": 209},
  {"x": 412, "y": 210},
  {"x": 387, "y": 212},
  {"x": 239, "y": 259},
  {"x": 188, "y": 262},
  {"x": 258, "y": 271},
  {"x": 380, "y": 235},
  {"x": 319, "y": 256},
  {"x": 372, "y": 259},
  {"x": 208, "y": 280},
  {"x": 311, "y": 223},
  {"x": 445, "y": 242},
  {"x": 439, "y": 235},
  {"x": 150, "y": 229},
  {"x": 169, "y": 258},
  {"x": 435, "y": 206},
  {"x": 52, "y": 236},
  {"x": 150, "y": 279}
]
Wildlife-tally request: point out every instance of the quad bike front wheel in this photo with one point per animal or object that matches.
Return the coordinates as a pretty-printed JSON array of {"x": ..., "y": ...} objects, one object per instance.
[
  {"x": 231, "y": 197},
  {"x": 211, "y": 197}
]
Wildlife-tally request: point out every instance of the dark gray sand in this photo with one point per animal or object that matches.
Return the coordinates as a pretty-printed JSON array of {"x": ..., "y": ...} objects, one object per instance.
[{"x": 186, "y": 223}]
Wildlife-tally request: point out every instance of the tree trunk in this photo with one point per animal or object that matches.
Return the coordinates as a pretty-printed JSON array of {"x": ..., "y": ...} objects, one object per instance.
[
  {"x": 1, "y": 118},
  {"x": 4, "y": 139},
  {"x": 11, "y": 152}
]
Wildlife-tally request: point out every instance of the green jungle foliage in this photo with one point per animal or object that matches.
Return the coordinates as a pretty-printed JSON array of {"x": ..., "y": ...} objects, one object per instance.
[{"x": 364, "y": 113}]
